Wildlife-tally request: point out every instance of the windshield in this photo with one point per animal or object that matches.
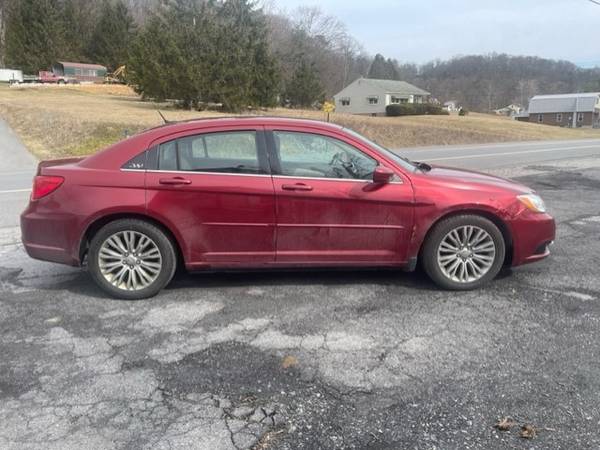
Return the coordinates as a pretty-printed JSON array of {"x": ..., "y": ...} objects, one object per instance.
[{"x": 404, "y": 162}]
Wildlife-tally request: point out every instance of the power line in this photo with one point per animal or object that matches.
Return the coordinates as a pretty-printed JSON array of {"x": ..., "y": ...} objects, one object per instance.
[{"x": 596, "y": 2}]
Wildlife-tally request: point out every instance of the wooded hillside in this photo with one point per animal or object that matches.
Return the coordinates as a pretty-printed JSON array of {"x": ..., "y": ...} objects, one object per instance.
[{"x": 231, "y": 52}]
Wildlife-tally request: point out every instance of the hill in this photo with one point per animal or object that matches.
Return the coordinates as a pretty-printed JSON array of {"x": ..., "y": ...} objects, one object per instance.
[{"x": 57, "y": 121}]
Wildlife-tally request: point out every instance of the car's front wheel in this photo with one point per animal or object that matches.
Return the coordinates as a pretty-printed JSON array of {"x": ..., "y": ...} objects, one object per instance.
[
  {"x": 463, "y": 252},
  {"x": 131, "y": 259}
]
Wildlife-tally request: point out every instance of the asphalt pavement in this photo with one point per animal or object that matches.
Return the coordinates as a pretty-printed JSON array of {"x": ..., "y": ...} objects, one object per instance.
[
  {"x": 312, "y": 360},
  {"x": 496, "y": 156},
  {"x": 17, "y": 167}
]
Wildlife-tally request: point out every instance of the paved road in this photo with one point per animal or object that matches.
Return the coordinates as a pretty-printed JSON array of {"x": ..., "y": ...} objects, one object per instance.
[
  {"x": 17, "y": 167},
  {"x": 495, "y": 156},
  {"x": 328, "y": 360}
]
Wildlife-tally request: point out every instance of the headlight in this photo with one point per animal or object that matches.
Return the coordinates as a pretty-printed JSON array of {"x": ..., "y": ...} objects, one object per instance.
[{"x": 533, "y": 202}]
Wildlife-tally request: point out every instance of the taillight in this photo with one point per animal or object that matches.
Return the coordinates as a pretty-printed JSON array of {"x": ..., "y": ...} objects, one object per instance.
[{"x": 44, "y": 185}]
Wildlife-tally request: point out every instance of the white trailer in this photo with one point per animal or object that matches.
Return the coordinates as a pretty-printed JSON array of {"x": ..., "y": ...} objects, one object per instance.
[{"x": 11, "y": 75}]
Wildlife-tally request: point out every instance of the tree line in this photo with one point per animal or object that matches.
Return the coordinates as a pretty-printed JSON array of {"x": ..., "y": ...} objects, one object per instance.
[
  {"x": 199, "y": 52},
  {"x": 234, "y": 53},
  {"x": 488, "y": 82}
]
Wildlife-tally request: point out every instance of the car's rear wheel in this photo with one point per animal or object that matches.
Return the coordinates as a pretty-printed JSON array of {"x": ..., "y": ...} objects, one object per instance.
[
  {"x": 131, "y": 259},
  {"x": 463, "y": 252}
]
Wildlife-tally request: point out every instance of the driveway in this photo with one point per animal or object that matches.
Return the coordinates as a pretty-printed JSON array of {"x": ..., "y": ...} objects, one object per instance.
[{"x": 313, "y": 360}]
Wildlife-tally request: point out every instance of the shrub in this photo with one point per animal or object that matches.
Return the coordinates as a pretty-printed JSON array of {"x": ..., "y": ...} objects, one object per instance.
[
  {"x": 414, "y": 109},
  {"x": 463, "y": 112}
]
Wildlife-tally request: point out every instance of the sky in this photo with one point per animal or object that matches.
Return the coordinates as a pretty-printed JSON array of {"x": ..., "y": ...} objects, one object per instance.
[{"x": 424, "y": 30}]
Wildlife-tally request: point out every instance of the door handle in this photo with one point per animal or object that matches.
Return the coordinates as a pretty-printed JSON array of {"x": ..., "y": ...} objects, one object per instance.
[
  {"x": 177, "y": 181},
  {"x": 296, "y": 187}
]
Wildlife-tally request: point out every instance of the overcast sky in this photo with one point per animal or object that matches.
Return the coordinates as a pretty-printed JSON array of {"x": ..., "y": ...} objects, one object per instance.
[{"x": 422, "y": 30}]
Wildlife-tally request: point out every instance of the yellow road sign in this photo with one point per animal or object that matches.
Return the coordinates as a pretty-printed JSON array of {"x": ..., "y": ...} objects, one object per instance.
[{"x": 328, "y": 107}]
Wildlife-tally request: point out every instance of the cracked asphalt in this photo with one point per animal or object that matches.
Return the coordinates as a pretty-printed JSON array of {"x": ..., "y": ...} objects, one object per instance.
[{"x": 312, "y": 360}]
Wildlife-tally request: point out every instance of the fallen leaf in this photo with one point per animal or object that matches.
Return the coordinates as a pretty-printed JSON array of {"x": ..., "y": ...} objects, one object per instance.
[
  {"x": 528, "y": 431},
  {"x": 289, "y": 361},
  {"x": 505, "y": 424}
]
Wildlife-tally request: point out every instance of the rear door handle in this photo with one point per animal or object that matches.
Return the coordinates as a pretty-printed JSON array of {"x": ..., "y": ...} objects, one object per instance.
[
  {"x": 296, "y": 187},
  {"x": 177, "y": 181}
]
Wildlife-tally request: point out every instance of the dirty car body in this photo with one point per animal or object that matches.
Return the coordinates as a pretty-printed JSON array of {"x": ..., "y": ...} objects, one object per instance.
[{"x": 256, "y": 192}]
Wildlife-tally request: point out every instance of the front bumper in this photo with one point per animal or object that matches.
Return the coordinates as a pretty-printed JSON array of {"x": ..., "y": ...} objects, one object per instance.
[{"x": 532, "y": 236}]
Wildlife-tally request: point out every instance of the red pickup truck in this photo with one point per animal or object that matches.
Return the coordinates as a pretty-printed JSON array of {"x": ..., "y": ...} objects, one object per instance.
[{"x": 49, "y": 77}]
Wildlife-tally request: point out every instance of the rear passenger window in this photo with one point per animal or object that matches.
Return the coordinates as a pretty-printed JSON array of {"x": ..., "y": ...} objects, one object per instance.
[
  {"x": 167, "y": 156},
  {"x": 229, "y": 152}
]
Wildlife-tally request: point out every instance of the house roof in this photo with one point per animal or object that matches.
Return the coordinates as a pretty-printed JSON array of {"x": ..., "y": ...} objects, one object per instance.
[
  {"x": 394, "y": 87},
  {"x": 388, "y": 86},
  {"x": 579, "y": 102},
  {"x": 81, "y": 65}
]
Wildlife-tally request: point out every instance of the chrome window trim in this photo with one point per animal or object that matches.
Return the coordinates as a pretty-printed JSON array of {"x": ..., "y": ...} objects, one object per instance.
[
  {"x": 256, "y": 175},
  {"x": 192, "y": 172},
  {"x": 353, "y": 180}
]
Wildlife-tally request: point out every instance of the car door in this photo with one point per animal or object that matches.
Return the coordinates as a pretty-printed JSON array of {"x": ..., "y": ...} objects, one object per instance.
[
  {"x": 215, "y": 188},
  {"x": 329, "y": 211}
]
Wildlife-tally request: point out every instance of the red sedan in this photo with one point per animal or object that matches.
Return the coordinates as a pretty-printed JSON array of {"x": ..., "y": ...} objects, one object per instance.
[{"x": 261, "y": 192}]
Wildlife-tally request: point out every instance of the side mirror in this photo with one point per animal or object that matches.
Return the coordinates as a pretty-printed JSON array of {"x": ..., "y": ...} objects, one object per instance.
[{"x": 382, "y": 175}]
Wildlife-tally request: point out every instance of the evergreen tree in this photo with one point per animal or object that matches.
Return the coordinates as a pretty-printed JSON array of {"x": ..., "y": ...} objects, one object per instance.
[
  {"x": 34, "y": 36},
  {"x": 110, "y": 40},
  {"x": 382, "y": 69},
  {"x": 304, "y": 89},
  {"x": 244, "y": 73},
  {"x": 77, "y": 24},
  {"x": 156, "y": 64},
  {"x": 205, "y": 52}
]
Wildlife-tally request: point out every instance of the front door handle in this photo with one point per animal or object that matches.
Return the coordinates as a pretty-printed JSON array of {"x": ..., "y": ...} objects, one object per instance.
[
  {"x": 176, "y": 181},
  {"x": 296, "y": 187}
]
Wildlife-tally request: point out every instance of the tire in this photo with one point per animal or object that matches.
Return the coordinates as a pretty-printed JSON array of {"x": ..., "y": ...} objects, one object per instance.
[
  {"x": 131, "y": 276},
  {"x": 476, "y": 262}
]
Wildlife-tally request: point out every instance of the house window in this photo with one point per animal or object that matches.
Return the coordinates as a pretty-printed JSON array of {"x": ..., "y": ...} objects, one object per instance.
[
  {"x": 345, "y": 101},
  {"x": 559, "y": 117},
  {"x": 540, "y": 118},
  {"x": 373, "y": 100},
  {"x": 396, "y": 100},
  {"x": 579, "y": 117}
]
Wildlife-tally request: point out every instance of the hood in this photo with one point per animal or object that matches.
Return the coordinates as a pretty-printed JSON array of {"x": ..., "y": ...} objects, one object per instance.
[{"x": 467, "y": 179}]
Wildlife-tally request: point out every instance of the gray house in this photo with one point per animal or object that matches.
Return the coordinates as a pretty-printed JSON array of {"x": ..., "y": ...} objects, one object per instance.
[
  {"x": 565, "y": 110},
  {"x": 369, "y": 96}
]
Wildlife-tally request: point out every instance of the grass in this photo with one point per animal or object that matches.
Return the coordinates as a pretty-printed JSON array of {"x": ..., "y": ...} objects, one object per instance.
[{"x": 58, "y": 121}]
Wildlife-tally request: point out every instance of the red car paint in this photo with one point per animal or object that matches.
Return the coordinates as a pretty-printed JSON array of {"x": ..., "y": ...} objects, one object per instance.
[{"x": 270, "y": 220}]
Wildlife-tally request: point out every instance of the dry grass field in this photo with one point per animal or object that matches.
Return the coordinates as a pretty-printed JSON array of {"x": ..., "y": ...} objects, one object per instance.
[{"x": 56, "y": 121}]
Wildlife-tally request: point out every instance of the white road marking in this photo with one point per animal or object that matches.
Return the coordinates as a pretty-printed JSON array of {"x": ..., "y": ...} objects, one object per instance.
[
  {"x": 579, "y": 296},
  {"x": 14, "y": 191},
  {"x": 487, "y": 155},
  {"x": 497, "y": 145}
]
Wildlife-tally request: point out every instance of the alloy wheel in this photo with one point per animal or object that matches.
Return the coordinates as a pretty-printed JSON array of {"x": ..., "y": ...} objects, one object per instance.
[
  {"x": 466, "y": 254},
  {"x": 130, "y": 260}
]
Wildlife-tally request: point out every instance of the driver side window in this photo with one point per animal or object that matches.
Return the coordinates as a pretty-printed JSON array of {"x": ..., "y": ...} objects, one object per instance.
[{"x": 317, "y": 156}]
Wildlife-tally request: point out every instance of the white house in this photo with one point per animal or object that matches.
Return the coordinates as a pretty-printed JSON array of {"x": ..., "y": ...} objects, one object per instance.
[
  {"x": 510, "y": 110},
  {"x": 451, "y": 106},
  {"x": 369, "y": 96}
]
